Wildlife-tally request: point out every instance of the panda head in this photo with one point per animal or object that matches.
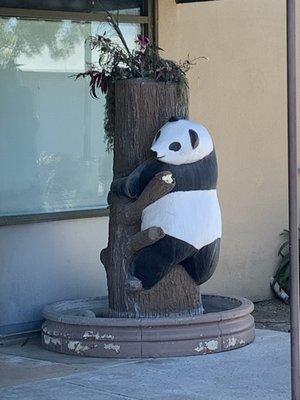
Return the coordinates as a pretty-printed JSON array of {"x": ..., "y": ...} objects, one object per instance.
[{"x": 181, "y": 141}]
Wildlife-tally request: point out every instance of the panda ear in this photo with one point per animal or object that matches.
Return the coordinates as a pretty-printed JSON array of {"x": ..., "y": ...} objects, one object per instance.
[
  {"x": 194, "y": 138},
  {"x": 175, "y": 119}
]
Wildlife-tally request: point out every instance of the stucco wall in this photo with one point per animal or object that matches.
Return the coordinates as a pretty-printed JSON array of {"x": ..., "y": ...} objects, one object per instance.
[
  {"x": 47, "y": 262},
  {"x": 240, "y": 95}
]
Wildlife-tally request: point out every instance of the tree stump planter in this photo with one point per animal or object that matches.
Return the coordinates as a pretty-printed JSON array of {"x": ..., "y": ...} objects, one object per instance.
[{"x": 142, "y": 106}]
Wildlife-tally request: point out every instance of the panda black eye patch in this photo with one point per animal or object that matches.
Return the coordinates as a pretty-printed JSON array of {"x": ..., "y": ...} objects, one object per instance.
[
  {"x": 194, "y": 138},
  {"x": 175, "y": 146}
]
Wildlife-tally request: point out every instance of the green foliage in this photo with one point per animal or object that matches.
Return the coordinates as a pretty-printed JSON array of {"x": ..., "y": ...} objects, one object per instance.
[
  {"x": 117, "y": 62},
  {"x": 282, "y": 275}
]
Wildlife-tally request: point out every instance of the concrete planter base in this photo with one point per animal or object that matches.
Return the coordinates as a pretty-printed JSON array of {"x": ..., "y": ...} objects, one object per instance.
[{"x": 79, "y": 327}]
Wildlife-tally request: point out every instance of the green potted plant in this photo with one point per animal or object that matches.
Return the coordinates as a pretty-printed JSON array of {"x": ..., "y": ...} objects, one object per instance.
[{"x": 280, "y": 283}]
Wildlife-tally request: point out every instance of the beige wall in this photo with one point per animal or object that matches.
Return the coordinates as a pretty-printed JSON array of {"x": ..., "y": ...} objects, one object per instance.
[{"x": 240, "y": 95}]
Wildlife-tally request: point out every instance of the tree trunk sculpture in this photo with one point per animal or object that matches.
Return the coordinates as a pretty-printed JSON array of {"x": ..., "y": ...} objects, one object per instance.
[{"x": 141, "y": 108}]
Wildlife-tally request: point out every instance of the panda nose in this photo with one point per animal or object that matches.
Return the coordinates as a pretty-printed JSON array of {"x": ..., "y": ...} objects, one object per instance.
[{"x": 153, "y": 153}]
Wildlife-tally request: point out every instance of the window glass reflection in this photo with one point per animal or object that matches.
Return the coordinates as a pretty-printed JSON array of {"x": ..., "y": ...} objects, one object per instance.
[{"x": 52, "y": 151}]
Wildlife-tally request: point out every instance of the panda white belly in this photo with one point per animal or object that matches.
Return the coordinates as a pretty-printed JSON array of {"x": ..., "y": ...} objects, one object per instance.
[{"x": 192, "y": 216}]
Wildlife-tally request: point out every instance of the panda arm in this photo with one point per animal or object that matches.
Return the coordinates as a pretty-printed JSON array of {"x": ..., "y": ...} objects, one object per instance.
[{"x": 131, "y": 186}]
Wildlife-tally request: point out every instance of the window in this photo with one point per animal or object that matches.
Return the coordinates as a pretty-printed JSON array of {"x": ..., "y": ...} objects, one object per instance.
[{"x": 53, "y": 157}]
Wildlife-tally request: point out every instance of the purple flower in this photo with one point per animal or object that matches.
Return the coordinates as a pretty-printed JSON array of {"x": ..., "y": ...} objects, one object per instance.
[
  {"x": 143, "y": 41},
  {"x": 104, "y": 84},
  {"x": 97, "y": 80}
]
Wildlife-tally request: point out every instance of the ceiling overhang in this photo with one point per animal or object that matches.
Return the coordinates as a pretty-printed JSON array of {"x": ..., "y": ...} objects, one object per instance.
[{"x": 191, "y": 1}]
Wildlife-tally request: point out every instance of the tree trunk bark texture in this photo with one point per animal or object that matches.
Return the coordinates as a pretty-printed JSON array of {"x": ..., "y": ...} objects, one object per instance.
[{"x": 141, "y": 107}]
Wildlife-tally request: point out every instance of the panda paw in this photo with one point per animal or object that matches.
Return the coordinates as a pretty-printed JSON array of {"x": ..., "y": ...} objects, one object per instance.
[{"x": 117, "y": 186}]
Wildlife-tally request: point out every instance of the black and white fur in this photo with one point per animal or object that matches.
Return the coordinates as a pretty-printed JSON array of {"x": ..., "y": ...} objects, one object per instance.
[{"x": 189, "y": 215}]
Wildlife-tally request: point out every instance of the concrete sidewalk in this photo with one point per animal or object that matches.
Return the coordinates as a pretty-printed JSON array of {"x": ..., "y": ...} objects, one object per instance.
[{"x": 258, "y": 371}]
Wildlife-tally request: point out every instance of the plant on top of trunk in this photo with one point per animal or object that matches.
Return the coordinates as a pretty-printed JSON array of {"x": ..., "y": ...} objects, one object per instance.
[{"x": 116, "y": 62}]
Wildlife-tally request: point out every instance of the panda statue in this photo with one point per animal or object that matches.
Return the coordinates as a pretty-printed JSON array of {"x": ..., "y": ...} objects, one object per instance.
[{"x": 189, "y": 215}]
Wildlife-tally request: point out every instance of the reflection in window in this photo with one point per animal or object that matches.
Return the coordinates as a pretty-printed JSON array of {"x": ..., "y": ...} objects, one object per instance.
[{"x": 52, "y": 151}]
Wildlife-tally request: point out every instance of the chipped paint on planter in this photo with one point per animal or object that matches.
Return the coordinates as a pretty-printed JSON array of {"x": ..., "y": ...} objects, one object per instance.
[
  {"x": 210, "y": 345},
  {"x": 97, "y": 336},
  {"x": 107, "y": 336},
  {"x": 199, "y": 348},
  {"x": 50, "y": 340},
  {"x": 233, "y": 342},
  {"x": 91, "y": 335},
  {"x": 112, "y": 346},
  {"x": 76, "y": 346}
]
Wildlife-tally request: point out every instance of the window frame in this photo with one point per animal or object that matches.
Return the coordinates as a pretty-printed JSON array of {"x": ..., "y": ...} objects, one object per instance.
[{"x": 149, "y": 28}]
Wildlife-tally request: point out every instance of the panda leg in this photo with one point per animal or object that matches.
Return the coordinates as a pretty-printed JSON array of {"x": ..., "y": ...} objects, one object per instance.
[
  {"x": 153, "y": 262},
  {"x": 202, "y": 265}
]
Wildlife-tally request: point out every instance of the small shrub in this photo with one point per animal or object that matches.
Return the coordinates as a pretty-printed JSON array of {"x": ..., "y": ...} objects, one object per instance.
[{"x": 280, "y": 283}]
